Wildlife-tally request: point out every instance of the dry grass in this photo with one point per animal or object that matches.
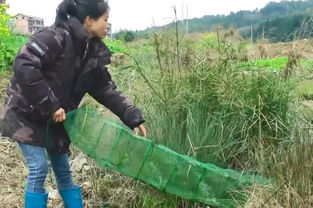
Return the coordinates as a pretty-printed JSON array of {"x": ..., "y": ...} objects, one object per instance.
[
  {"x": 291, "y": 168},
  {"x": 4, "y": 80},
  {"x": 12, "y": 175},
  {"x": 99, "y": 187}
]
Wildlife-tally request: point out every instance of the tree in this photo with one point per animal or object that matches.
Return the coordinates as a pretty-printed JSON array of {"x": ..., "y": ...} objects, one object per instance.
[
  {"x": 125, "y": 35},
  {"x": 129, "y": 36}
]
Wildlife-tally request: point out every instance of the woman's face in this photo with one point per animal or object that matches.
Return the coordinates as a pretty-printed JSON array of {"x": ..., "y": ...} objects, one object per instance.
[{"x": 97, "y": 28}]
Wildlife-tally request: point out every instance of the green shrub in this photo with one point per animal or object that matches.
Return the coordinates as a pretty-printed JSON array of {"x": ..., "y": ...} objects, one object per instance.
[
  {"x": 115, "y": 46},
  {"x": 9, "y": 43}
]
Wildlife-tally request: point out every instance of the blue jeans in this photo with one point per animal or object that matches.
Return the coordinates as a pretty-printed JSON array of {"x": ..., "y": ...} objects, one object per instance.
[{"x": 37, "y": 162}]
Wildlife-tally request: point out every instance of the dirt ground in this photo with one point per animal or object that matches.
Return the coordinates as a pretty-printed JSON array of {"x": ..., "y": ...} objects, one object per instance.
[
  {"x": 13, "y": 176},
  {"x": 101, "y": 187}
]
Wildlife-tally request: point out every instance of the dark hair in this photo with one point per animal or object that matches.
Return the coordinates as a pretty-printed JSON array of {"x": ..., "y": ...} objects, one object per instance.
[{"x": 80, "y": 9}]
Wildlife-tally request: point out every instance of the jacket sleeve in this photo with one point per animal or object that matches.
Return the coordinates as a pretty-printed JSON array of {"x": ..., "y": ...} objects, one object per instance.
[
  {"x": 29, "y": 67},
  {"x": 105, "y": 92}
]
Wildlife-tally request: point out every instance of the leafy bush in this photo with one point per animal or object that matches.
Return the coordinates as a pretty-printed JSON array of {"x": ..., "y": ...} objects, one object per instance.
[
  {"x": 210, "y": 40},
  {"x": 125, "y": 36},
  {"x": 9, "y": 43},
  {"x": 115, "y": 46},
  {"x": 4, "y": 18}
]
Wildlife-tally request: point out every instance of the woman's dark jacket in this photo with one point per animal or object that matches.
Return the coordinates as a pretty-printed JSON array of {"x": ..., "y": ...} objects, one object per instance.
[{"x": 56, "y": 68}]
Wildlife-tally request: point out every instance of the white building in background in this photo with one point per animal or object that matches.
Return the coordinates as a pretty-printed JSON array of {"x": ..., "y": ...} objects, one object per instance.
[
  {"x": 109, "y": 30},
  {"x": 2, "y": 1},
  {"x": 27, "y": 25}
]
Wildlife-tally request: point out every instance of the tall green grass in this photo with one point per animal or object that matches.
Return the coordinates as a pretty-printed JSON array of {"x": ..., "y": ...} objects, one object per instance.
[
  {"x": 207, "y": 108},
  {"x": 198, "y": 102}
]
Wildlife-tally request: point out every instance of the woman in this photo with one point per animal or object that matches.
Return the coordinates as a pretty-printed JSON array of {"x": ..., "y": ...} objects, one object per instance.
[{"x": 52, "y": 73}]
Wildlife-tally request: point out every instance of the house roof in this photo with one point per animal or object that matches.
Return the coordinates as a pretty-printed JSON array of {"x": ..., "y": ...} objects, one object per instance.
[{"x": 29, "y": 16}]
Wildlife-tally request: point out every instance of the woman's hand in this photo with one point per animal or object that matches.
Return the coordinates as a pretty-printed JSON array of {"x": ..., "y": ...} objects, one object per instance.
[
  {"x": 59, "y": 115},
  {"x": 140, "y": 129}
]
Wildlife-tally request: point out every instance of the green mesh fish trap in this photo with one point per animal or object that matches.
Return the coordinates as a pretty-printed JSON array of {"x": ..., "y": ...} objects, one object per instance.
[{"x": 114, "y": 146}]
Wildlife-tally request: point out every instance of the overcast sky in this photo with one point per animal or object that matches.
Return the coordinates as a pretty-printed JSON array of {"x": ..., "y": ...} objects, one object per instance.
[{"x": 140, "y": 14}]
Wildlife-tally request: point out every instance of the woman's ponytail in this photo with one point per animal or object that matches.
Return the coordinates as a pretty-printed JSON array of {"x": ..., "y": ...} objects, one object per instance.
[
  {"x": 66, "y": 8},
  {"x": 80, "y": 9}
]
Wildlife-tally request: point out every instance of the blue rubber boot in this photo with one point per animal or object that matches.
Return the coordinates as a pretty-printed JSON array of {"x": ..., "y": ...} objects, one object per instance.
[
  {"x": 36, "y": 200},
  {"x": 72, "y": 198}
]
